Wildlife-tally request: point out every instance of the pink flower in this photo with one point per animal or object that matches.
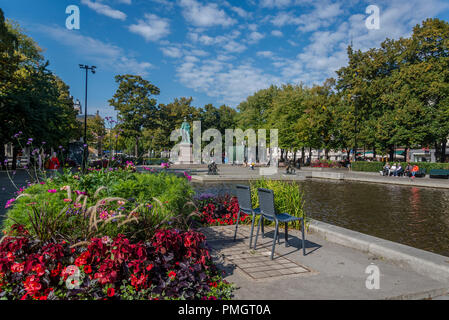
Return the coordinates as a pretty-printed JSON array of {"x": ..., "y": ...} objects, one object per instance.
[
  {"x": 120, "y": 202},
  {"x": 104, "y": 215},
  {"x": 9, "y": 203},
  {"x": 67, "y": 200},
  {"x": 187, "y": 176},
  {"x": 52, "y": 190}
]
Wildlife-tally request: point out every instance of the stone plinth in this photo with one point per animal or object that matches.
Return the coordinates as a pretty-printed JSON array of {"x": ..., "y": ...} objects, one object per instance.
[{"x": 185, "y": 154}]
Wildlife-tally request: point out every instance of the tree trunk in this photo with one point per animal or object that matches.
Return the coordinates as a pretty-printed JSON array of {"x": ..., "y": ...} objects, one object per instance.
[
  {"x": 374, "y": 153},
  {"x": 303, "y": 154},
  {"x": 326, "y": 153},
  {"x": 136, "y": 148},
  {"x": 282, "y": 155},
  {"x": 443, "y": 151},
  {"x": 391, "y": 153},
  {"x": 437, "y": 152}
]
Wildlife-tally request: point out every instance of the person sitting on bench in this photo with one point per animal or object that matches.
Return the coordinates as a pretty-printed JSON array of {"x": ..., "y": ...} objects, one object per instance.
[
  {"x": 385, "y": 170},
  {"x": 399, "y": 171},
  {"x": 408, "y": 170},
  {"x": 415, "y": 169},
  {"x": 392, "y": 169}
]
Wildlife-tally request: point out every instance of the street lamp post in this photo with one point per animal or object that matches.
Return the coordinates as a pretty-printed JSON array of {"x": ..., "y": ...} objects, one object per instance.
[{"x": 87, "y": 68}]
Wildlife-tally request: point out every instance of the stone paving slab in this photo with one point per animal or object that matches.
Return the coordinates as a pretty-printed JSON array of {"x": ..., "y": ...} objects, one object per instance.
[
  {"x": 255, "y": 264},
  {"x": 334, "y": 271}
]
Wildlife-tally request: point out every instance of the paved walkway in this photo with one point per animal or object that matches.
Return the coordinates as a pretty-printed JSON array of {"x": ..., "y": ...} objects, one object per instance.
[
  {"x": 328, "y": 271},
  {"x": 238, "y": 173}
]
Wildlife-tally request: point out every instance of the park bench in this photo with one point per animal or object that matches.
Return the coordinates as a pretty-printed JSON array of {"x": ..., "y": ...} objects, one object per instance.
[
  {"x": 420, "y": 173},
  {"x": 439, "y": 173}
]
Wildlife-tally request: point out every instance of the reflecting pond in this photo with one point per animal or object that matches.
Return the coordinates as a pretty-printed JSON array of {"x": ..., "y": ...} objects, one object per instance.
[{"x": 418, "y": 217}]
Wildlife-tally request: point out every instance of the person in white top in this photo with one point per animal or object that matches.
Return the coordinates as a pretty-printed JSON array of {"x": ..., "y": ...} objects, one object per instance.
[{"x": 392, "y": 169}]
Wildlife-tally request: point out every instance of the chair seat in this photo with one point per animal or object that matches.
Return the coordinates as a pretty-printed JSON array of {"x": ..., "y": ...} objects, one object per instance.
[
  {"x": 256, "y": 211},
  {"x": 285, "y": 217}
]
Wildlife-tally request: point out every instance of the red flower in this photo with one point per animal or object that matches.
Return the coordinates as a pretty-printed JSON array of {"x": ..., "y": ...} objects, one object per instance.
[
  {"x": 149, "y": 267},
  {"x": 32, "y": 284},
  {"x": 17, "y": 267},
  {"x": 82, "y": 259},
  {"x": 40, "y": 271},
  {"x": 87, "y": 269},
  {"x": 172, "y": 275},
  {"x": 111, "y": 292}
]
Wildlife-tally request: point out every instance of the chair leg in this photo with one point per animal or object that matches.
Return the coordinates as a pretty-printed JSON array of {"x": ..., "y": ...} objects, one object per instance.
[
  {"x": 252, "y": 229},
  {"x": 263, "y": 231},
  {"x": 237, "y": 225},
  {"x": 286, "y": 234},
  {"x": 279, "y": 235},
  {"x": 257, "y": 233},
  {"x": 274, "y": 240},
  {"x": 303, "y": 242}
]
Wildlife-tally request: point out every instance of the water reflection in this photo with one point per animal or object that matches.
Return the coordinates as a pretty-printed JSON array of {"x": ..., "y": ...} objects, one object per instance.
[{"x": 418, "y": 217}]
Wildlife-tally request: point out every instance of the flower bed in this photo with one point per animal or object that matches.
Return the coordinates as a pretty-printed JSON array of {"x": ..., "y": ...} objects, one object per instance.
[
  {"x": 72, "y": 203},
  {"x": 218, "y": 210},
  {"x": 173, "y": 265}
]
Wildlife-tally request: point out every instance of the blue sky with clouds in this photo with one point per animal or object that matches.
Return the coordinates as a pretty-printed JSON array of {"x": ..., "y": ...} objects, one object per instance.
[{"x": 214, "y": 51}]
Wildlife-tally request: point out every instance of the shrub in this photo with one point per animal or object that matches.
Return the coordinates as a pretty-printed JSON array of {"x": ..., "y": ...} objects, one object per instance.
[
  {"x": 174, "y": 265},
  {"x": 376, "y": 166},
  {"x": 326, "y": 164},
  {"x": 154, "y": 161},
  {"x": 147, "y": 201},
  {"x": 287, "y": 197}
]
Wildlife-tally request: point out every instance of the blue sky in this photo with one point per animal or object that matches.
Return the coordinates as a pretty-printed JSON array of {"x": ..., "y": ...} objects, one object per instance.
[{"x": 214, "y": 51}]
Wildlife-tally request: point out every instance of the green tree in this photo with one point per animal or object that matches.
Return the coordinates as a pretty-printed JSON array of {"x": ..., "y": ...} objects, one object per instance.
[{"x": 136, "y": 106}]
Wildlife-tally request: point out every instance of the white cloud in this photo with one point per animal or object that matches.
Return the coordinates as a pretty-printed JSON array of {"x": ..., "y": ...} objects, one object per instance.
[
  {"x": 275, "y": 3},
  {"x": 265, "y": 54},
  {"x": 277, "y": 33},
  {"x": 285, "y": 18},
  {"x": 152, "y": 28},
  {"x": 104, "y": 55},
  {"x": 255, "y": 37},
  {"x": 227, "y": 42},
  {"x": 104, "y": 10},
  {"x": 205, "y": 15},
  {"x": 229, "y": 83},
  {"x": 242, "y": 13},
  {"x": 172, "y": 52}
]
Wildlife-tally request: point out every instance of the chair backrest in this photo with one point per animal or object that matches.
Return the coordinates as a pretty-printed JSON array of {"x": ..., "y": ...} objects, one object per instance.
[
  {"x": 266, "y": 202},
  {"x": 244, "y": 197}
]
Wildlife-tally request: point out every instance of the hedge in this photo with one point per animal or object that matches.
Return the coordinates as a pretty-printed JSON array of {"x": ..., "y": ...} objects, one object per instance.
[
  {"x": 154, "y": 161},
  {"x": 375, "y": 166}
]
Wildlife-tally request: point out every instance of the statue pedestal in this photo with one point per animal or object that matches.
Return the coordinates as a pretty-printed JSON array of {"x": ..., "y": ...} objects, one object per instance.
[{"x": 185, "y": 154}]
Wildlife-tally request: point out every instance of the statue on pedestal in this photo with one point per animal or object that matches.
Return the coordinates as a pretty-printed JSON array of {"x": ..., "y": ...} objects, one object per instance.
[{"x": 185, "y": 132}]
